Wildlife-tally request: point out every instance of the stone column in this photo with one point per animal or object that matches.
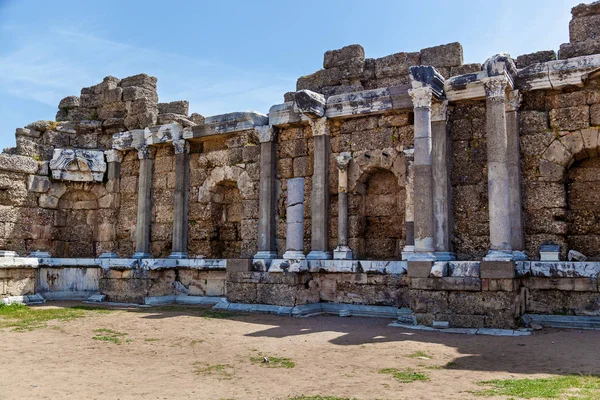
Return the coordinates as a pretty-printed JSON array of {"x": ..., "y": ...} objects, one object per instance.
[
  {"x": 409, "y": 213},
  {"x": 294, "y": 241},
  {"x": 267, "y": 202},
  {"x": 180, "y": 199},
  {"x": 144, "y": 211},
  {"x": 514, "y": 173},
  {"x": 343, "y": 252},
  {"x": 113, "y": 173},
  {"x": 319, "y": 200},
  {"x": 442, "y": 213},
  {"x": 498, "y": 177},
  {"x": 423, "y": 183}
]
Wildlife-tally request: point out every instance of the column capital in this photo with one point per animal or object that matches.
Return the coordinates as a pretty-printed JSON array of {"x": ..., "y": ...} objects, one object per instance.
[
  {"x": 319, "y": 126},
  {"x": 113, "y": 156},
  {"x": 143, "y": 152},
  {"x": 439, "y": 111},
  {"x": 310, "y": 103},
  {"x": 266, "y": 133},
  {"x": 421, "y": 97},
  {"x": 342, "y": 160},
  {"x": 495, "y": 86},
  {"x": 180, "y": 146},
  {"x": 513, "y": 100}
]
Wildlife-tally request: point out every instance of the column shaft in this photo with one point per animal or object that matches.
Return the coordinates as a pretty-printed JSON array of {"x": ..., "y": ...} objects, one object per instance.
[
  {"x": 498, "y": 176},
  {"x": 294, "y": 241},
  {"x": 319, "y": 203},
  {"x": 267, "y": 248},
  {"x": 409, "y": 213},
  {"x": 343, "y": 252},
  {"x": 514, "y": 172},
  {"x": 180, "y": 201},
  {"x": 144, "y": 211},
  {"x": 441, "y": 185}
]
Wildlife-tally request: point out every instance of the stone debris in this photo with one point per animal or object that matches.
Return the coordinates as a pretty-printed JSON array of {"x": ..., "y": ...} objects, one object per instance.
[{"x": 574, "y": 255}]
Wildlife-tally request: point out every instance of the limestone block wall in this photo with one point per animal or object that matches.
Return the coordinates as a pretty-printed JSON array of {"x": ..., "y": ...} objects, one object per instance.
[
  {"x": 469, "y": 179},
  {"x": 559, "y": 148},
  {"x": 163, "y": 186},
  {"x": 127, "y": 213},
  {"x": 223, "y": 201}
]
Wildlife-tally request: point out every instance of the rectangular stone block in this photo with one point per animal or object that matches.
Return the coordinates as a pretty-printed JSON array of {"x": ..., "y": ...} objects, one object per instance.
[
  {"x": 497, "y": 269},
  {"x": 419, "y": 269},
  {"x": 499, "y": 285},
  {"x": 239, "y": 265},
  {"x": 564, "y": 284}
]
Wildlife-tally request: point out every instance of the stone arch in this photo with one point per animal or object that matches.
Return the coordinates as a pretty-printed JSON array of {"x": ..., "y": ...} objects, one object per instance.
[
  {"x": 377, "y": 193},
  {"x": 226, "y": 174},
  {"x": 76, "y": 224},
  {"x": 571, "y": 161}
]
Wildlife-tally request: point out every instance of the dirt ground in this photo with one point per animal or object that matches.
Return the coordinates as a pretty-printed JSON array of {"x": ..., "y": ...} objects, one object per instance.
[{"x": 184, "y": 353}]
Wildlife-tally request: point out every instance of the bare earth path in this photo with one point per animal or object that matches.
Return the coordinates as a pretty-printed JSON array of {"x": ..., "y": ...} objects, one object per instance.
[{"x": 183, "y": 353}]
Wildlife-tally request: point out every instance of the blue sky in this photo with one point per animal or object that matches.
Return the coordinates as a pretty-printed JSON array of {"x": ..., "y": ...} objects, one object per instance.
[{"x": 226, "y": 56}]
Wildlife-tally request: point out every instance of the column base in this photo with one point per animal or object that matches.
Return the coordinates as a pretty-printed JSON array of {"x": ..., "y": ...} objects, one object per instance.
[
  {"x": 444, "y": 256},
  {"x": 422, "y": 256},
  {"x": 8, "y": 253},
  {"x": 178, "y": 254},
  {"x": 499, "y": 255},
  {"x": 141, "y": 254},
  {"x": 108, "y": 254},
  {"x": 40, "y": 254},
  {"x": 294, "y": 255},
  {"x": 265, "y": 255},
  {"x": 520, "y": 255},
  {"x": 342, "y": 253},
  {"x": 318, "y": 255},
  {"x": 407, "y": 252}
]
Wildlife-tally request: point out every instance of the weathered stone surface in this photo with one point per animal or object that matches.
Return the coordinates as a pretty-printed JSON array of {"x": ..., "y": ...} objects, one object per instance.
[
  {"x": 310, "y": 103},
  {"x": 68, "y": 103},
  {"x": 339, "y": 58},
  {"x": 16, "y": 163},
  {"x": 78, "y": 165},
  {"x": 180, "y": 107},
  {"x": 446, "y": 55},
  {"x": 577, "y": 49},
  {"x": 497, "y": 269},
  {"x": 525, "y": 60}
]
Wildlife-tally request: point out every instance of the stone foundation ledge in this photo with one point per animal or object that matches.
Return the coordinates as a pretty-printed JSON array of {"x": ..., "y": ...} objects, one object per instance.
[
  {"x": 150, "y": 264},
  {"x": 339, "y": 266},
  {"x": 559, "y": 269}
]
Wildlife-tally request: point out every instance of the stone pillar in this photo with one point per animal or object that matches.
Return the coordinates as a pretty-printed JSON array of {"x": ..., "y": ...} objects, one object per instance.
[
  {"x": 267, "y": 202},
  {"x": 514, "y": 173},
  {"x": 144, "y": 211},
  {"x": 498, "y": 177},
  {"x": 319, "y": 200},
  {"x": 409, "y": 213},
  {"x": 423, "y": 183},
  {"x": 294, "y": 240},
  {"x": 442, "y": 213},
  {"x": 343, "y": 252},
  {"x": 180, "y": 199},
  {"x": 113, "y": 174}
]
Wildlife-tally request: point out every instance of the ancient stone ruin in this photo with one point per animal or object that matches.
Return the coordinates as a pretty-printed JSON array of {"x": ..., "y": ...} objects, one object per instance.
[{"x": 410, "y": 186}]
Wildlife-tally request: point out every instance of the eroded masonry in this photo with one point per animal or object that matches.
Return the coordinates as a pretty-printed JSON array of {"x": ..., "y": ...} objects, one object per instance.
[{"x": 411, "y": 185}]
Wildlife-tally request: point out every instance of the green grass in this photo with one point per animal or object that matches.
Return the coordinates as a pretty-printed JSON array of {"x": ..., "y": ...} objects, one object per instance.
[
  {"x": 225, "y": 371},
  {"x": 24, "y": 318},
  {"x": 406, "y": 375},
  {"x": 419, "y": 354},
  {"x": 273, "y": 362},
  {"x": 108, "y": 335},
  {"x": 318, "y": 397},
  {"x": 201, "y": 312},
  {"x": 570, "y": 386},
  {"x": 150, "y": 339}
]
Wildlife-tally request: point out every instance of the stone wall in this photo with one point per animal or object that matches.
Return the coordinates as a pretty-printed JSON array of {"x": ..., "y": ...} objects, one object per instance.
[
  {"x": 163, "y": 185},
  {"x": 127, "y": 216}
]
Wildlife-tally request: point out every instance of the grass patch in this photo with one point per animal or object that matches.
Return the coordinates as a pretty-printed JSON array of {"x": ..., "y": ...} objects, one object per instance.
[
  {"x": 150, "y": 339},
  {"x": 108, "y": 335},
  {"x": 201, "y": 312},
  {"x": 419, "y": 354},
  {"x": 406, "y": 375},
  {"x": 225, "y": 371},
  {"x": 24, "y": 318},
  {"x": 273, "y": 362},
  {"x": 571, "y": 386},
  {"x": 319, "y": 397}
]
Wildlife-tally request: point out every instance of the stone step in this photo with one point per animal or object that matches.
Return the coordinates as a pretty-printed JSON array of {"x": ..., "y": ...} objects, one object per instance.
[{"x": 563, "y": 321}]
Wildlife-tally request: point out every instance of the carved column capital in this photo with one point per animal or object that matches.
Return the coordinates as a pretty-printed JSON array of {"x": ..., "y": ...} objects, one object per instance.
[
  {"x": 421, "y": 97},
  {"x": 514, "y": 100},
  {"x": 495, "y": 86},
  {"x": 181, "y": 146},
  {"x": 439, "y": 111},
  {"x": 143, "y": 152},
  {"x": 113, "y": 156},
  {"x": 342, "y": 160},
  {"x": 319, "y": 126},
  {"x": 266, "y": 133}
]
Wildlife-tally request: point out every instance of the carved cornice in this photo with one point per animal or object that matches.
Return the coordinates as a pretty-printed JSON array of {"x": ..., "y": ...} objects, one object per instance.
[
  {"x": 113, "y": 156},
  {"x": 342, "y": 160},
  {"x": 79, "y": 165},
  {"x": 495, "y": 86},
  {"x": 143, "y": 152},
  {"x": 421, "y": 97}
]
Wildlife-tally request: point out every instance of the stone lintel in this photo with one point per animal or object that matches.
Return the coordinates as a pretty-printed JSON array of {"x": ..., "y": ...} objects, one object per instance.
[
  {"x": 558, "y": 73},
  {"x": 113, "y": 156},
  {"x": 501, "y": 64},
  {"x": 366, "y": 102},
  {"x": 78, "y": 165},
  {"x": 419, "y": 269},
  {"x": 265, "y": 133},
  {"x": 497, "y": 269},
  {"x": 148, "y": 136},
  {"x": 424, "y": 75},
  {"x": 227, "y": 123},
  {"x": 284, "y": 115},
  {"x": 309, "y": 103},
  {"x": 465, "y": 87}
]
